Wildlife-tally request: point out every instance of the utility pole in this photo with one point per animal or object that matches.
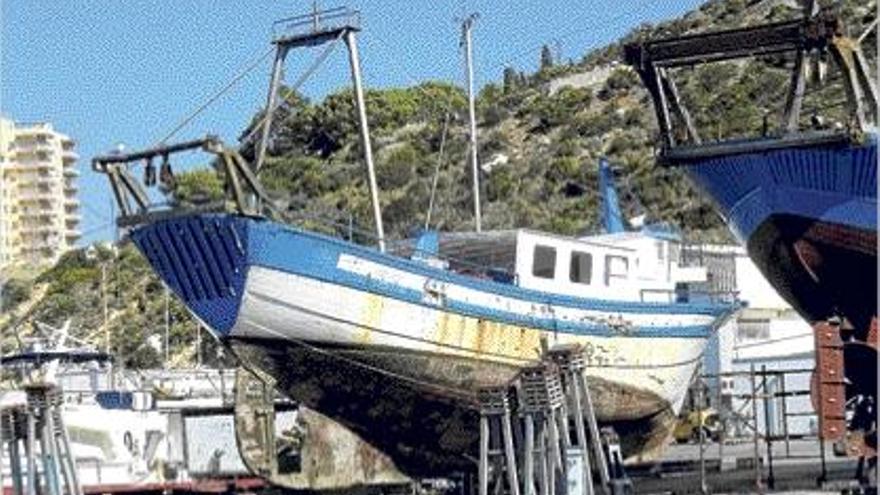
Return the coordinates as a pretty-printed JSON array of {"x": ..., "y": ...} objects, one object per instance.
[
  {"x": 104, "y": 306},
  {"x": 466, "y": 27}
]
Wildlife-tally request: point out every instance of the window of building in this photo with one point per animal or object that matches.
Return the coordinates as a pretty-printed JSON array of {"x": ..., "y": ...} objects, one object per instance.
[
  {"x": 544, "y": 262},
  {"x": 616, "y": 268},
  {"x": 753, "y": 329},
  {"x": 580, "y": 270}
]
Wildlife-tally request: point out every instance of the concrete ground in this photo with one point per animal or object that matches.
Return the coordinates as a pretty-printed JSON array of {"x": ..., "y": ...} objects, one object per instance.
[{"x": 731, "y": 469}]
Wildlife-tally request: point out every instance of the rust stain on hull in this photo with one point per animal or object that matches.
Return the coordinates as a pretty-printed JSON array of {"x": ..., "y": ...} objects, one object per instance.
[{"x": 422, "y": 413}]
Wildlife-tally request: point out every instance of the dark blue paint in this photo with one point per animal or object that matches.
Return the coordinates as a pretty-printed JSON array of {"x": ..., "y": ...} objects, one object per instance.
[{"x": 835, "y": 184}]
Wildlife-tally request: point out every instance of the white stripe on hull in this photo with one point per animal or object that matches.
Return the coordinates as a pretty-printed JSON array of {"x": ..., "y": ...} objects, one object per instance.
[{"x": 282, "y": 305}]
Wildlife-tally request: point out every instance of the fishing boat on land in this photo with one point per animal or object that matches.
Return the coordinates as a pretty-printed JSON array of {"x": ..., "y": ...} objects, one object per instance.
[
  {"x": 802, "y": 198},
  {"x": 392, "y": 340}
]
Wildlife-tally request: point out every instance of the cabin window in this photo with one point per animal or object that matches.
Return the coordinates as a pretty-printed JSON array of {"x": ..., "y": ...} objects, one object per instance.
[
  {"x": 581, "y": 268},
  {"x": 616, "y": 268},
  {"x": 544, "y": 262},
  {"x": 753, "y": 329}
]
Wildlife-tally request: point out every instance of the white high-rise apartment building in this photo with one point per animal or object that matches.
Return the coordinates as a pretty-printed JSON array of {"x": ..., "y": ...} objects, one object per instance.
[{"x": 39, "y": 209}]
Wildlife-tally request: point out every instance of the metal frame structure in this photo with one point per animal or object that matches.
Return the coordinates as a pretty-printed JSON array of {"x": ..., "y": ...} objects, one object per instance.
[
  {"x": 818, "y": 31},
  {"x": 134, "y": 203},
  {"x": 318, "y": 28}
]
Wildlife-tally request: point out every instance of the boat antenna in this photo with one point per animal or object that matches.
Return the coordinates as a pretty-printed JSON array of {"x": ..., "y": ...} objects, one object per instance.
[{"x": 466, "y": 26}]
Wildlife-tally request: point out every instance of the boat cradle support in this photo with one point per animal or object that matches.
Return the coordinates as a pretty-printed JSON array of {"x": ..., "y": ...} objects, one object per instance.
[
  {"x": 550, "y": 439},
  {"x": 820, "y": 31}
]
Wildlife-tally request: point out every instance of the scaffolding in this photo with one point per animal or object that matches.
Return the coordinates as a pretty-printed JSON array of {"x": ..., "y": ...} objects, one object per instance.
[{"x": 762, "y": 418}]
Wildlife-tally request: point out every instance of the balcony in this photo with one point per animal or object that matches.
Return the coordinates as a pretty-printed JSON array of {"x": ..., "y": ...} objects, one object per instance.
[
  {"x": 71, "y": 172},
  {"x": 41, "y": 183},
  {"x": 39, "y": 230},
  {"x": 30, "y": 164},
  {"x": 34, "y": 129},
  {"x": 72, "y": 233},
  {"x": 33, "y": 147},
  {"x": 40, "y": 246},
  {"x": 47, "y": 213},
  {"x": 29, "y": 197}
]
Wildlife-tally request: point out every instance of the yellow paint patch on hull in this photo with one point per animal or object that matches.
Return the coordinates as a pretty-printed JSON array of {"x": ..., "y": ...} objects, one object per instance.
[
  {"x": 371, "y": 317},
  {"x": 474, "y": 335}
]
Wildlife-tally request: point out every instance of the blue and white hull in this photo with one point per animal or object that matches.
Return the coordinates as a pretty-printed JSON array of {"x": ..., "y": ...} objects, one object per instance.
[{"x": 395, "y": 349}]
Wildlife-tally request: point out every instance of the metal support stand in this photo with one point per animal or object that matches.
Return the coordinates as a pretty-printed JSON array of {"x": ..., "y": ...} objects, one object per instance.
[
  {"x": 498, "y": 455},
  {"x": 541, "y": 403},
  {"x": 559, "y": 431},
  {"x": 571, "y": 362},
  {"x": 759, "y": 485},
  {"x": 771, "y": 481},
  {"x": 51, "y": 468}
]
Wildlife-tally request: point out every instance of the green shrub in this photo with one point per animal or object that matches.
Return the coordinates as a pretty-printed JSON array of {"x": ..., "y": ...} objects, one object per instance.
[
  {"x": 14, "y": 292},
  {"x": 197, "y": 187}
]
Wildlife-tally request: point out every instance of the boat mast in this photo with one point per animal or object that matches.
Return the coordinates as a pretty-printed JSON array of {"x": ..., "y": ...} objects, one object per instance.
[
  {"x": 466, "y": 27},
  {"x": 351, "y": 42}
]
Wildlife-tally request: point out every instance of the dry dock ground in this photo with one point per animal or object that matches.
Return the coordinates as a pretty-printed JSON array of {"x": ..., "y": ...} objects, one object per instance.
[{"x": 797, "y": 470}]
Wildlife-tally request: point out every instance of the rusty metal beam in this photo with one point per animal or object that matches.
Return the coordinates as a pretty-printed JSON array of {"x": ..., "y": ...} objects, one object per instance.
[
  {"x": 232, "y": 176},
  {"x": 681, "y": 155},
  {"x": 651, "y": 79},
  {"x": 100, "y": 162},
  {"x": 843, "y": 51},
  {"x": 811, "y": 33},
  {"x": 674, "y": 99},
  {"x": 795, "y": 97}
]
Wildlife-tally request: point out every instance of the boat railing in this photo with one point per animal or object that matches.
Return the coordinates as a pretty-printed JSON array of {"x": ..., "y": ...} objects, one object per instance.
[
  {"x": 344, "y": 226},
  {"x": 315, "y": 23},
  {"x": 684, "y": 295},
  {"x": 692, "y": 128}
]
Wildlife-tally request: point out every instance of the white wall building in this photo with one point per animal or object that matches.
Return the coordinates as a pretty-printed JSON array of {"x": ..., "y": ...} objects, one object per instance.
[{"x": 766, "y": 333}]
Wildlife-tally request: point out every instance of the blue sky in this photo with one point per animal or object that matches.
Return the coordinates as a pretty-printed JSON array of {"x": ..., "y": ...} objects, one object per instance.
[{"x": 112, "y": 71}]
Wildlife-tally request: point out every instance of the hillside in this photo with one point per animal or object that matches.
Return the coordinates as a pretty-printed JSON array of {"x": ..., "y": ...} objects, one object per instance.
[{"x": 541, "y": 136}]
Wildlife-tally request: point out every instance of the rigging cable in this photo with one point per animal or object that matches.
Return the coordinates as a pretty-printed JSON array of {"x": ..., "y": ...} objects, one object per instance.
[
  {"x": 437, "y": 171},
  {"x": 216, "y": 96},
  {"x": 295, "y": 87}
]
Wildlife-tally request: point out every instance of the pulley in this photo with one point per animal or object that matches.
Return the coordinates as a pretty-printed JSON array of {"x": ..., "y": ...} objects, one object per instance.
[
  {"x": 166, "y": 175},
  {"x": 149, "y": 173}
]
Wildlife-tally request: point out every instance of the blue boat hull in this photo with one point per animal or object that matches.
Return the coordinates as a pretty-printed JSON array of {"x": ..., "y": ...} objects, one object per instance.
[{"x": 808, "y": 217}]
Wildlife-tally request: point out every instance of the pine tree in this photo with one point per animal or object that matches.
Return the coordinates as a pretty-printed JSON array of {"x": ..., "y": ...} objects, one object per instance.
[
  {"x": 511, "y": 79},
  {"x": 546, "y": 57}
]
